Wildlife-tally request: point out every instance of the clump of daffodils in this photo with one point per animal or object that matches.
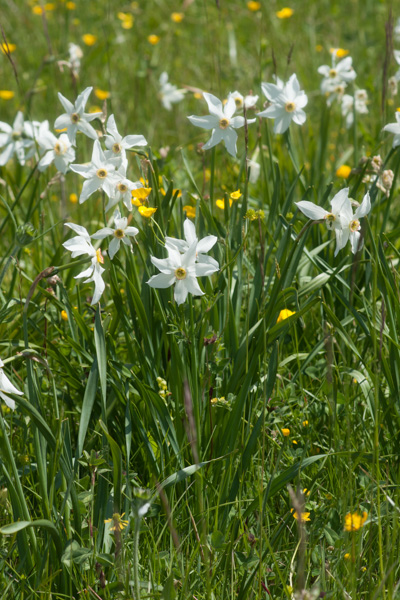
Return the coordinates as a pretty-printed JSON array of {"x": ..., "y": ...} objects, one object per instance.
[
  {"x": 336, "y": 77},
  {"x": 340, "y": 218},
  {"x": 185, "y": 263}
]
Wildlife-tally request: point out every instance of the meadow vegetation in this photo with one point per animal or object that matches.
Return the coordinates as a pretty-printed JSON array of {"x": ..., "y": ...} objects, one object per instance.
[{"x": 200, "y": 345}]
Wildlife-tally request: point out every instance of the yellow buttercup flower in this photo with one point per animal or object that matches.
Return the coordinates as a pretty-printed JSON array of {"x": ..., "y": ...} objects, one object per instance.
[
  {"x": 7, "y": 48},
  {"x": 37, "y": 10},
  {"x": 7, "y": 94},
  {"x": 343, "y": 171},
  {"x": 146, "y": 211},
  {"x": 284, "y": 314},
  {"x": 101, "y": 94},
  {"x": 221, "y": 203},
  {"x": 285, "y": 431},
  {"x": 177, "y": 17},
  {"x": 285, "y": 13},
  {"x": 190, "y": 211},
  {"x": 354, "y": 521},
  {"x": 127, "y": 20},
  {"x": 64, "y": 315},
  {"x": 235, "y": 195},
  {"x": 305, "y": 423},
  {"x": 339, "y": 52},
  {"x": 141, "y": 194},
  {"x": 89, "y": 39},
  {"x": 119, "y": 522},
  {"x": 347, "y": 556},
  {"x": 73, "y": 198},
  {"x": 305, "y": 516},
  {"x": 153, "y": 39},
  {"x": 70, "y": 5},
  {"x": 253, "y": 6}
]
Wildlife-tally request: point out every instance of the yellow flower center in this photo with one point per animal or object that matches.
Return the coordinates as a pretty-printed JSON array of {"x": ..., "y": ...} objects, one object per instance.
[
  {"x": 116, "y": 148},
  {"x": 355, "y": 225},
  {"x": 60, "y": 148},
  {"x": 332, "y": 73},
  {"x": 119, "y": 233},
  {"x": 101, "y": 173},
  {"x": 238, "y": 102},
  {"x": 16, "y": 135},
  {"x": 180, "y": 273},
  {"x": 330, "y": 217},
  {"x": 75, "y": 118},
  {"x": 99, "y": 256},
  {"x": 121, "y": 187},
  {"x": 290, "y": 106},
  {"x": 223, "y": 123}
]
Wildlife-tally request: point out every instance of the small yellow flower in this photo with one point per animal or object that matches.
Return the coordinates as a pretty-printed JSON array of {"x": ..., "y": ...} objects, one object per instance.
[
  {"x": 49, "y": 6},
  {"x": 127, "y": 20},
  {"x": 177, "y": 17},
  {"x": 354, "y": 521},
  {"x": 6, "y": 94},
  {"x": 343, "y": 171},
  {"x": 285, "y": 13},
  {"x": 146, "y": 211},
  {"x": 7, "y": 48},
  {"x": 73, "y": 198},
  {"x": 37, "y": 10},
  {"x": 339, "y": 52},
  {"x": 285, "y": 432},
  {"x": 140, "y": 195},
  {"x": 153, "y": 39},
  {"x": 253, "y": 6},
  {"x": 235, "y": 195},
  {"x": 101, "y": 94},
  {"x": 214, "y": 400},
  {"x": 119, "y": 522},
  {"x": 221, "y": 203},
  {"x": 89, "y": 39},
  {"x": 64, "y": 315},
  {"x": 306, "y": 492},
  {"x": 305, "y": 516},
  {"x": 70, "y": 5},
  {"x": 285, "y": 314},
  {"x": 198, "y": 95},
  {"x": 347, "y": 556},
  {"x": 190, "y": 211},
  {"x": 305, "y": 423},
  {"x": 294, "y": 442},
  {"x": 319, "y": 48}
]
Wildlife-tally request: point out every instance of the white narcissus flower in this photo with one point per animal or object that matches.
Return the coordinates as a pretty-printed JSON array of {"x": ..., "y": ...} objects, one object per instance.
[
  {"x": 246, "y": 101},
  {"x": 221, "y": 121},
  {"x": 80, "y": 245},
  {"x": 75, "y": 55},
  {"x": 12, "y": 140},
  {"x": 350, "y": 224},
  {"x": 6, "y": 387},
  {"x": 169, "y": 93},
  {"x": 121, "y": 233},
  {"x": 393, "y": 128},
  {"x": 342, "y": 72},
  {"x": 75, "y": 119},
  {"x": 317, "y": 213},
  {"x": 56, "y": 150},
  {"x": 116, "y": 144},
  {"x": 123, "y": 189},
  {"x": 360, "y": 101},
  {"x": 99, "y": 173},
  {"x": 181, "y": 270},
  {"x": 202, "y": 246},
  {"x": 287, "y": 105}
]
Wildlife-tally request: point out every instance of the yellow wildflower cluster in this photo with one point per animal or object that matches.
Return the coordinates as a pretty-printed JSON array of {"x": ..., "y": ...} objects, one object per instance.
[{"x": 354, "y": 521}]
